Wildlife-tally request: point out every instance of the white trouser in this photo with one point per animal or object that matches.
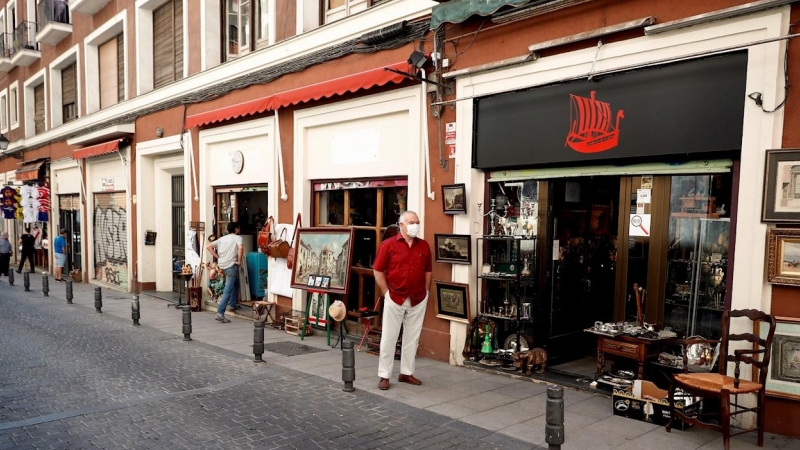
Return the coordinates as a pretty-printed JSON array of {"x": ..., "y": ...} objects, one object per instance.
[{"x": 411, "y": 318}]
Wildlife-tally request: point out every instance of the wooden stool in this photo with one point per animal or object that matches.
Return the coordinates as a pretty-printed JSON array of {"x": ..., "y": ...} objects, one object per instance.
[{"x": 265, "y": 309}]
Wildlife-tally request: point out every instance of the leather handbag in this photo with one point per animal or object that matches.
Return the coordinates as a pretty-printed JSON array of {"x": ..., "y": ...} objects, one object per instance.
[
  {"x": 290, "y": 258},
  {"x": 279, "y": 248},
  {"x": 265, "y": 236}
]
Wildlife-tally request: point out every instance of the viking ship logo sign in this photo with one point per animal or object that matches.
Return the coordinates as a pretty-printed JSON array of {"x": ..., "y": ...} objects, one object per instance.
[{"x": 591, "y": 130}]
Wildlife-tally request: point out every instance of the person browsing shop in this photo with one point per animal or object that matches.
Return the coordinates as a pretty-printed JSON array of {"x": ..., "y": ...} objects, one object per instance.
[
  {"x": 60, "y": 252},
  {"x": 26, "y": 241},
  {"x": 403, "y": 274},
  {"x": 6, "y": 250},
  {"x": 228, "y": 250}
]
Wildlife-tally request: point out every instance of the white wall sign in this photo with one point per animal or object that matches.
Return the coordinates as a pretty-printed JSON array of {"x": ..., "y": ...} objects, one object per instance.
[
  {"x": 107, "y": 183},
  {"x": 643, "y": 195},
  {"x": 355, "y": 147},
  {"x": 639, "y": 225}
]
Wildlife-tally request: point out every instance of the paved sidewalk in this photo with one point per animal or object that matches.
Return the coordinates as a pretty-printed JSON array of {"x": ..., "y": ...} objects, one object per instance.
[{"x": 509, "y": 405}]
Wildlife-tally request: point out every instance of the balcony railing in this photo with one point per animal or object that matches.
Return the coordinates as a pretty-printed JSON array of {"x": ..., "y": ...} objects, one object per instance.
[
  {"x": 6, "y": 45},
  {"x": 52, "y": 11},
  {"x": 25, "y": 37}
]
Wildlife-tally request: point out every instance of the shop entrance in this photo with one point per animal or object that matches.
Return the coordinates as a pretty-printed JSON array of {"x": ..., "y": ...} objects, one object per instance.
[{"x": 610, "y": 238}]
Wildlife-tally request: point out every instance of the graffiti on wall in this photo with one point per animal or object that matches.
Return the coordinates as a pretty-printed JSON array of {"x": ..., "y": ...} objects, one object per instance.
[{"x": 111, "y": 243}]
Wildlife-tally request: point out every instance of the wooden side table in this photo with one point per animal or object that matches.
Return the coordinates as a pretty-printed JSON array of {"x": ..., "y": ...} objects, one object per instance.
[{"x": 638, "y": 349}]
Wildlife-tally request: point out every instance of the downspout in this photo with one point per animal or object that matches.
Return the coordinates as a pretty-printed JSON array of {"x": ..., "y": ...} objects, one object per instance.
[
  {"x": 425, "y": 146},
  {"x": 281, "y": 175}
]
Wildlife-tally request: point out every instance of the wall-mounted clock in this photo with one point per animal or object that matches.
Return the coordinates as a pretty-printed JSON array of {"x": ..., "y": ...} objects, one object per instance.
[{"x": 237, "y": 161}]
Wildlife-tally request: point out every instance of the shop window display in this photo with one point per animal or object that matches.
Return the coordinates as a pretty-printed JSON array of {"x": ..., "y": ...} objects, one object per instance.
[
  {"x": 373, "y": 208},
  {"x": 697, "y": 264}
]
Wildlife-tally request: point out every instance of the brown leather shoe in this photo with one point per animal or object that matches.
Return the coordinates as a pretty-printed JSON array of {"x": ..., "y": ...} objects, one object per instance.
[
  {"x": 384, "y": 384},
  {"x": 410, "y": 379}
]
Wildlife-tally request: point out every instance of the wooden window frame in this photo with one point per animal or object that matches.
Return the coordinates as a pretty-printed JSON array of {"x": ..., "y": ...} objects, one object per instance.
[
  {"x": 379, "y": 228},
  {"x": 69, "y": 104},
  {"x": 171, "y": 44}
]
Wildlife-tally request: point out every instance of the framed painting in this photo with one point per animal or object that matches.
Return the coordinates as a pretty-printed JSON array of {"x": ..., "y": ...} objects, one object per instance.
[
  {"x": 455, "y": 198},
  {"x": 323, "y": 253},
  {"x": 453, "y": 248},
  {"x": 783, "y": 262},
  {"x": 783, "y": 373},
  {"x": 782, "y": 186},
  {"x": 452, "y": 301}
]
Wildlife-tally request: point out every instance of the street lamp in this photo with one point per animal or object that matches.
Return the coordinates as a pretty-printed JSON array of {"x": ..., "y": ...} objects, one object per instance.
[{"x": 3, "y": 143}]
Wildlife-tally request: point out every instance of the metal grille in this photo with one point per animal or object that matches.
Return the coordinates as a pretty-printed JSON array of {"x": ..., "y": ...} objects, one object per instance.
[
  {"x": 289, "y": 348},
  {"x": 111, "y": 239},
  {"x": 178, "y": 226}
]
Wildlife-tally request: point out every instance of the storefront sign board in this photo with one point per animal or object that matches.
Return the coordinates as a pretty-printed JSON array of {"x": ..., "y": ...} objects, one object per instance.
[{"x": 667, "y": 112}]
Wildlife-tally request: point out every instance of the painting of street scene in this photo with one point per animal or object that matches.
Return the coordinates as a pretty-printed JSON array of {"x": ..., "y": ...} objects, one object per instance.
[{"x": 323, "y": 252}]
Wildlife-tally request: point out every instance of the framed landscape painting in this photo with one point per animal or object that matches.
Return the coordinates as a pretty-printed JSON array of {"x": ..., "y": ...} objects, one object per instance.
[
  {"x": 453, "y": 248},
  {"x": 783, "y": 262},
  {"x": 324, "y": 256}
]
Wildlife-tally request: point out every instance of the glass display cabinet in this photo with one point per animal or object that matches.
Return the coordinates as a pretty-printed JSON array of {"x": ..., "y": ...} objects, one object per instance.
[
  {"x": 697, "y": 268},
  {"x": 506, "y": 286}
]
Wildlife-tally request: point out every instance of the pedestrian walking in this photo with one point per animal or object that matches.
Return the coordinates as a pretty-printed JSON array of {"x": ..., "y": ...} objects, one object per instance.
[
  {"x": 60, "y": 252},
  {"x": 26, "y": 253},
  {"x": 403, "y": 273},
  {"x": 6, "y": 250},
  {"x": 228, "y": 250}
]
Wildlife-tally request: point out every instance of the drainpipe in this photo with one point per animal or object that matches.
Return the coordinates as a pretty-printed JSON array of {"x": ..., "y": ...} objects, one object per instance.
[
  {"x": 425, "y": 146},
  {"x": 281, "y": 174}
]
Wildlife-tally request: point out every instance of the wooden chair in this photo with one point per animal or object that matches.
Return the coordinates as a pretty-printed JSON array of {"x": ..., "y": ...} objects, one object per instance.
[{"x": 720, "y": 385}]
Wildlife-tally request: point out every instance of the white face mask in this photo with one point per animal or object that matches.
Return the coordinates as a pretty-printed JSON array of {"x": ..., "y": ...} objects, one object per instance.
[{"x": 412, "y": 230}]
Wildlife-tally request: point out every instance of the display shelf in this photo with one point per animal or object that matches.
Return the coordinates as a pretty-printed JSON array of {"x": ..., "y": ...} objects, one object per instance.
[
  {"x": 506, "y": 282},
  {"x": 696, "y": 273}
]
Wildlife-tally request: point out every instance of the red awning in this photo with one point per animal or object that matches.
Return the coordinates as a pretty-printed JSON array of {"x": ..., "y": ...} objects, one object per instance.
[
  {"x": 96, "y": 150},
  {"x": 29, "y": 170},
  {"x": 324, "y": 89}
]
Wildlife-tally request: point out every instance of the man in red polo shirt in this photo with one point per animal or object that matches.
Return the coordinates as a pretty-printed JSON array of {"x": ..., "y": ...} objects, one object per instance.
[{"x": 403, "y": 273}]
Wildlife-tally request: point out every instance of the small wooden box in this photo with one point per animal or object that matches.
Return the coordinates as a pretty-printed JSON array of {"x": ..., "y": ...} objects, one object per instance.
[{"x": 292, "y": 325}]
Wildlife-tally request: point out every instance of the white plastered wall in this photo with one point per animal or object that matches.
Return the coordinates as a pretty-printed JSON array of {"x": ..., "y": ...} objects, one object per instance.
[
  {"x": 157, "y": 161},
  {"x": 761, "y": 131},
  {"x": 97, "y": 168},
  {"x": 394, "y": 116},
  {"x": 256, "y": 140}
]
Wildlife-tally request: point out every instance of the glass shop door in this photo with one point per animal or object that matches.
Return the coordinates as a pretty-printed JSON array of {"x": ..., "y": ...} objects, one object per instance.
[{"x": 607, "y": 238}]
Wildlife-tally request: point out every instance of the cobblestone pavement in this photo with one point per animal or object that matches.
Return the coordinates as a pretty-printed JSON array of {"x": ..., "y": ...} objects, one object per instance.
[{"x": 74, "y": 379}]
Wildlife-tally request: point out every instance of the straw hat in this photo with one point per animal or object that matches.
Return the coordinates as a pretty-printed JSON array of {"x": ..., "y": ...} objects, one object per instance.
[{"x": 337, "y": 311}]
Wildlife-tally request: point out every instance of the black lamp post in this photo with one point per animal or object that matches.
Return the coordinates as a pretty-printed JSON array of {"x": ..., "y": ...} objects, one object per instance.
[{"x": 3, "y": 143}]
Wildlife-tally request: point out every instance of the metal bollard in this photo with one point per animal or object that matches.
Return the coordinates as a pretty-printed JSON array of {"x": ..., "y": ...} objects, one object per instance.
[
  {"x": 98, "y": 299},
  {"x": 554, "y": 429},
  {"x": 348, "y": 365},
  {"x": 11, "y": 276},
  {"x": 258, "y": 341},
  {"x": 187, "y": 322},
  {"x": 69, "y": 292},
  {"x": 26, "y": 281},
  {"x": 135, "y": 314},
  {"x": 45, "y": 285}
]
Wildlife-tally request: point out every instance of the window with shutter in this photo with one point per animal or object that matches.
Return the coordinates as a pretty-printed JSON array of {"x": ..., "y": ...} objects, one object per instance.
[
  {"x": 120, "y": 69},
  {"x": 168, "y": 43},
  {"x": 3, "y": 112},
  {"x": 69, "y": 95},
  {"x": 38, "y": 109},
  {"x": 107, "y": 54}
]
